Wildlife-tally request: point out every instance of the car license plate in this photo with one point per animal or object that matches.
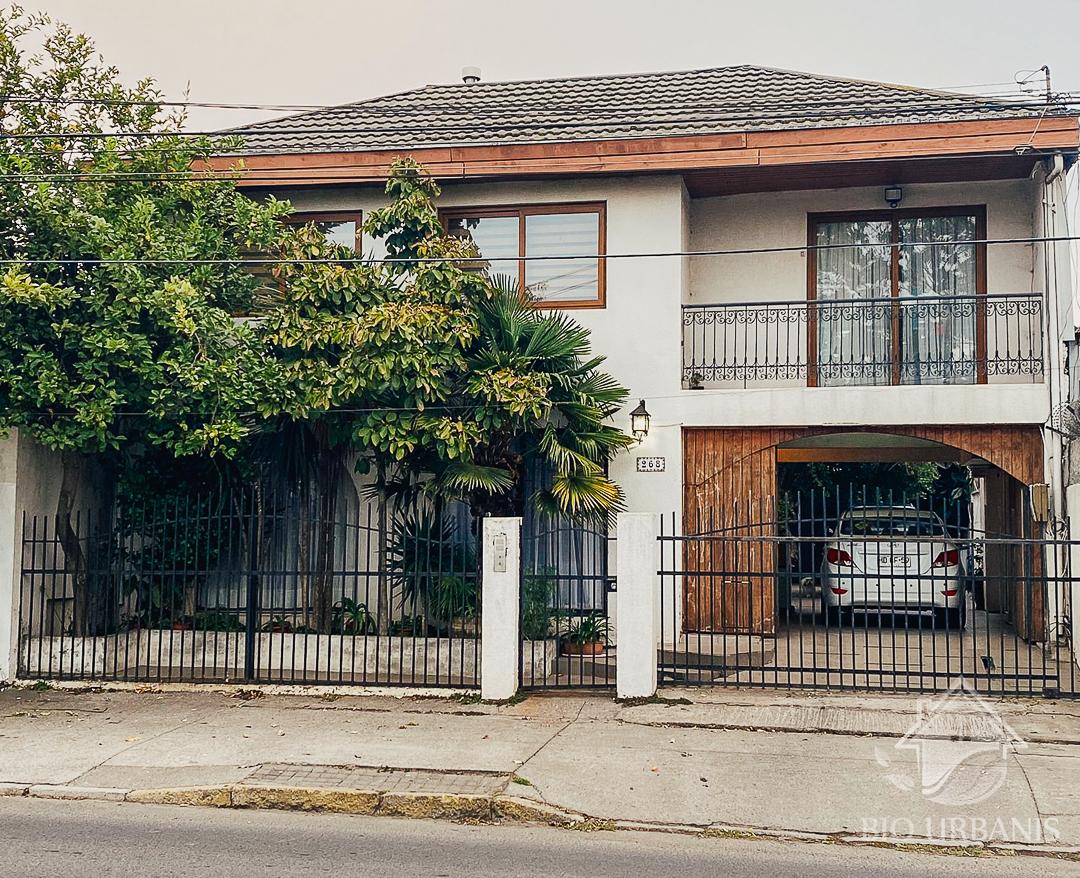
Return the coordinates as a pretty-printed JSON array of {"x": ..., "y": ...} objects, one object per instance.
[{"x": 896, "y": 560}]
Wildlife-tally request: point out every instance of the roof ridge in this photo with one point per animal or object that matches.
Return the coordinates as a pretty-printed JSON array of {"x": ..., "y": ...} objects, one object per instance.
[{"x": 596, "y": 76}]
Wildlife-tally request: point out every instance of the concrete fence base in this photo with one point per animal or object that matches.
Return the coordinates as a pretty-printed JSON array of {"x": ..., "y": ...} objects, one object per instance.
[{"x": 214, "y": 655}]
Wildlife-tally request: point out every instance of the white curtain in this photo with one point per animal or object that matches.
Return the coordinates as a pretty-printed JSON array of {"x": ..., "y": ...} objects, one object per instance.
[
  {"x": 854, "y": 335},
  {"x": 937, "y": 334}
]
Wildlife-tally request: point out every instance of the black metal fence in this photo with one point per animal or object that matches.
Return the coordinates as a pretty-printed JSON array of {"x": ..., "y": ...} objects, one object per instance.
[
  {"x": 566, "y": 640},
  {"x": 904, "y": 340},
  {"x": 253, "y": 586},
  {"x": 891, "y": 596}
]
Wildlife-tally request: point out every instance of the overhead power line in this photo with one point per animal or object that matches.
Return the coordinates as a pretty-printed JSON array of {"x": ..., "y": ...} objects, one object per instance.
[
  {"x": 387, "y": 102},
  {"x": 506, "y": 120},
  {"x": 657, "y": 254}
]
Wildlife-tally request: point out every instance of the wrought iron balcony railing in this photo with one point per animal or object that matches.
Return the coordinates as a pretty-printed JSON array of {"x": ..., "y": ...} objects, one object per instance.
[{"x": 977, "y": 339}]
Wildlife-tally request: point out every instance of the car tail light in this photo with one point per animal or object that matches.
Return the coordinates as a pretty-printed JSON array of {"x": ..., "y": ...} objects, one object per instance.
[
  {"x": 838, "y": 556},
  {"x": 948, "y": 558},
  {"x": 949, "y": 592}
]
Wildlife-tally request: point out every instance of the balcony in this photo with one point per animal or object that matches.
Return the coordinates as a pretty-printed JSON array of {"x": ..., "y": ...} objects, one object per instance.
[{"x": 978, "y": 339}]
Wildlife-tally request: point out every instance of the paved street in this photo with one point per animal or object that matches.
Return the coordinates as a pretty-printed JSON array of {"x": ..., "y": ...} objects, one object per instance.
[{"x": 100, "y": 838}]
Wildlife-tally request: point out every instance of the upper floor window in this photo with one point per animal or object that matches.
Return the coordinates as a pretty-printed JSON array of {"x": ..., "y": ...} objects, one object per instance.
[
  {"x": 340, "y": 226},
  {"x": 570, "y": 238}
]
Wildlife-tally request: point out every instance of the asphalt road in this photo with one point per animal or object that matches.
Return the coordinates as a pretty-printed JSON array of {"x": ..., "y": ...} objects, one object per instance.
[{"x": 41, "y": 837}]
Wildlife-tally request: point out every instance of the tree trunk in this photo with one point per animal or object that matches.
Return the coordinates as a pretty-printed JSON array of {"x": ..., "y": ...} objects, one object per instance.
[
  {"x": 383, "y": 612},
  {"x": 329, "y": 473},
  {"x": 304, "y": 551},
  {"x": 82, "y": 614}
]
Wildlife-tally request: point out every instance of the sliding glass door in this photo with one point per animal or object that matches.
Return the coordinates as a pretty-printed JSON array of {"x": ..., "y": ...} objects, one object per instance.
[{"x": 894, "y": 297}]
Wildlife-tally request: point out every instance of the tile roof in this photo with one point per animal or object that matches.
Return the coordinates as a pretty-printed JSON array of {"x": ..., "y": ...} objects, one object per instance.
[{"x": 711, "y": 101}]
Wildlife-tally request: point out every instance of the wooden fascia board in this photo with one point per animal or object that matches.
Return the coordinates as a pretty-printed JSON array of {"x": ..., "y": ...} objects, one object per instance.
[{"x": 698, "y": 152}]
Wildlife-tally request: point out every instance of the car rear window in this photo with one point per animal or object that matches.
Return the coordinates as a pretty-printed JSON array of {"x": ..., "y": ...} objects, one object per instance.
[{"x": 892, "y": 526}]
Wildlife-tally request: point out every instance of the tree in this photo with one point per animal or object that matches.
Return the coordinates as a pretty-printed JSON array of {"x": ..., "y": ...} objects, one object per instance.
[
  {"x": 433, "y": 376},
  {"x": 439, "y": 376},
  {"x": 107, "y": 358}
]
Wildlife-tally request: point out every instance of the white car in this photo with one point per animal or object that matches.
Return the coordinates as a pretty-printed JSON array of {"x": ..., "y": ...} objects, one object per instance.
[{"x": 894, "y": 559}]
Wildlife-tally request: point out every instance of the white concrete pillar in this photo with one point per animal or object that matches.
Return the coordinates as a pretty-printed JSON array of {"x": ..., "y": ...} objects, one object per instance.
[
  {"x": 500, "y": 643},
  {"x": 10, "y": 569},
  {"x": 638, "y": 620}
]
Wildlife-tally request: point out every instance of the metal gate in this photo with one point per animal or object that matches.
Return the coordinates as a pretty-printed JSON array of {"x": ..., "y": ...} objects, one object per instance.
[
  {"x": 249, "y": 586},
  {"x": 566, "y": 640},
  {"x": 885, "y": 596}
]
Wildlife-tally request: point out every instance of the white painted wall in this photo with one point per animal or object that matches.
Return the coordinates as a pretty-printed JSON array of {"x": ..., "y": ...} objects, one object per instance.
[
  {"x": 640, "y": 330},
  {"x": 779, "y": 219}
]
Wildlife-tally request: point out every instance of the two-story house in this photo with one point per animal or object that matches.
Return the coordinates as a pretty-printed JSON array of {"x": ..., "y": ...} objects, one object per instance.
[{"x": 784, "y": 267}]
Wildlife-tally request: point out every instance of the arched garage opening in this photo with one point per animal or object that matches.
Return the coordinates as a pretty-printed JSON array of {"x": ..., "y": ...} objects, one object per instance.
[{"x": 737, "y": 580}]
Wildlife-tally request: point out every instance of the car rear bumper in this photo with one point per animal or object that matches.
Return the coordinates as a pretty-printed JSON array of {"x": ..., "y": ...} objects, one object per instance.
[{"x": 902, "y": 594}]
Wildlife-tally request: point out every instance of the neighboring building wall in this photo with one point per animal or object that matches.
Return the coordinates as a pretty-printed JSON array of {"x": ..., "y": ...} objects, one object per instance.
[{"x": 29, "y": 486}]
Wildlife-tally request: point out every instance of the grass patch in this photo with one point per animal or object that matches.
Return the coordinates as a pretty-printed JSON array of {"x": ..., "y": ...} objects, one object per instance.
[
  {"x": 652, "y": 699},
  {"x": 521, "y": 781},
  {"x": 591, "y": 824}
]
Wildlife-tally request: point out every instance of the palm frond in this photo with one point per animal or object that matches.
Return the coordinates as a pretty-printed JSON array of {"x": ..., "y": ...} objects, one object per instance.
[
  {"x": 586, "y": 495},
  {"x": 459, "y": 477}
]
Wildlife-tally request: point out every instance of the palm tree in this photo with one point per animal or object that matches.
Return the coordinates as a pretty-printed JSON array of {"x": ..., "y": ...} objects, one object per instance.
[{"x": 539, "y": 396}]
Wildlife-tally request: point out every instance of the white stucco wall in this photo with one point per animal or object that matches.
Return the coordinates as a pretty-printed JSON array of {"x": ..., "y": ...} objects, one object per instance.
[{"x": 640, "y": 330}]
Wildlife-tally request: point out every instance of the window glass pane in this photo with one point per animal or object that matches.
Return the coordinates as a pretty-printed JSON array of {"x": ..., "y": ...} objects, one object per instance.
[
  {"x": 496, "y": 238},
  {"x": 937, "y": 335},
  {"x": 854, "y": 335},
  {"x": 339, "y": 232},
  {"x": 555, "y": 234}
]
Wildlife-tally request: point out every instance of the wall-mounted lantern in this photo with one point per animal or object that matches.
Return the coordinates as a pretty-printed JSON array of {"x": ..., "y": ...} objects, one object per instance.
[{"x": 639, "y": 421}]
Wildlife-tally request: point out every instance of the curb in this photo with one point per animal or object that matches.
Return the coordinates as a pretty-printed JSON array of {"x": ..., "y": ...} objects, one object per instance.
[
  {"x": 302, "y": 689},
  {"x": 497, "y": 808}
]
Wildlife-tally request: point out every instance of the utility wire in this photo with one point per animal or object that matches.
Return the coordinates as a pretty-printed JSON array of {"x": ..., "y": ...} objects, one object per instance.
[
  {"x": 393, "y": 103},
  {"x": 507, "y": 120},
  {"x": 440, "y": 260}
]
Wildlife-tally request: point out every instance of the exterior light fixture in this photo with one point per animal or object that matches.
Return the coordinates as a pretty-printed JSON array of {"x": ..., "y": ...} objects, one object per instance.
[
  {"x": 639, "y": 421},
  {"x": 893, "y": 196}
]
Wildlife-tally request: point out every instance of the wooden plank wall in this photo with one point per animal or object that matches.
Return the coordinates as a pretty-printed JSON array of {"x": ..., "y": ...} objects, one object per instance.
[{"x": 729, "y": 479}]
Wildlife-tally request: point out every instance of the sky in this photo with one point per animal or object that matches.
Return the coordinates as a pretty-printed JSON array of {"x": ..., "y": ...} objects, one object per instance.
[{"x": 335, "y": 51}]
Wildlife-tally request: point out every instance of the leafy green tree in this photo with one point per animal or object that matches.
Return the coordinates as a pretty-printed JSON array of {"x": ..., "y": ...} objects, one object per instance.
[
  {"x": 105, "y": 358},
  {"x": 434, "y": 376},
  {"x": 439, "y": 376}
]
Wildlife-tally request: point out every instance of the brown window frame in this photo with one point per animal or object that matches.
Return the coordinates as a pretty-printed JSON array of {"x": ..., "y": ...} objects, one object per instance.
[
  {"x": 521, "y": 211},
  {"x": 893, "y": 216},
  {"x": 303, "y": 217}
]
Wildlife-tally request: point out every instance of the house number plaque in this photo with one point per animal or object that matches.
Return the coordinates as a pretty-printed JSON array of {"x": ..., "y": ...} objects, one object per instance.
[{"x": 651, "y": 464}]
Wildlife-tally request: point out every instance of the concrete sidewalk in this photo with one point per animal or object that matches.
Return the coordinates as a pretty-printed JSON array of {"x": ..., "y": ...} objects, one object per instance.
[{"x": 829, "y": 767}]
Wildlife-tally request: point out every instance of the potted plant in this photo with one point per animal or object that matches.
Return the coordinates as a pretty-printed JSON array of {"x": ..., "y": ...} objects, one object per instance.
[
  {"x": 278, "y": 625},
  {"x": 352, "y": 617},
  {"x": 587, "y": 636},
  {"x": 184, "y": 623}
]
